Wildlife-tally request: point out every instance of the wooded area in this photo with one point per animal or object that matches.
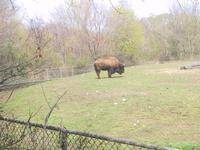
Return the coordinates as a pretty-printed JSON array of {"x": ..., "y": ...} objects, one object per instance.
[{"x": 81, "y": 31}]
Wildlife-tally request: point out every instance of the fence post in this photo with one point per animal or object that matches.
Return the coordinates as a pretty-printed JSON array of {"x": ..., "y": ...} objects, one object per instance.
[
  {"x": 72, "y": 71},
  {"x": 63, "y": 140},
  {"x": 47, "y": 74},
  {"x": 60, "y": 72}
]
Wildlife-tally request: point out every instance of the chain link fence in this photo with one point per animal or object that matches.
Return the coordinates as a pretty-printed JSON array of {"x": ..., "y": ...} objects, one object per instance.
[
  {"x": 15, "y": 134},
  {"x": 45, "y": 75},
  {"x": 54, "y": 73}
]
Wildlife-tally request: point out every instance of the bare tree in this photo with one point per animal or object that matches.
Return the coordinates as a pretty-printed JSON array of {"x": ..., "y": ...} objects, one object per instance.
[
  {"x": 186, "y": 23},
  {"x": 83, "y": 24},
  {"x": 16, "y": 58}
]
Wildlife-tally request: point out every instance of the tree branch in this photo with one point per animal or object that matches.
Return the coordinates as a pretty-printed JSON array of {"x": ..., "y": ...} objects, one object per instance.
[
  {"x": 52, "y": 108},
  {"x": 116, "y": 9},
  {"x": 45, "y": 96}
]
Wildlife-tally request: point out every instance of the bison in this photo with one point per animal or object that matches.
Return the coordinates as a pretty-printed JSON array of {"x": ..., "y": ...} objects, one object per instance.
[{"x": 111, "y": 64}]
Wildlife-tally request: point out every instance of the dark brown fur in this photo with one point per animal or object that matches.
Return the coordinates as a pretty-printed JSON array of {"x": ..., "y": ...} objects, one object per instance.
[{"x": 111, "y": 64}]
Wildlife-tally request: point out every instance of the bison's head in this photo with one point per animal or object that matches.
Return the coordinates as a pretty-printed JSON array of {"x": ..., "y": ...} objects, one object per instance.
[{"x": 120, "y": 69}]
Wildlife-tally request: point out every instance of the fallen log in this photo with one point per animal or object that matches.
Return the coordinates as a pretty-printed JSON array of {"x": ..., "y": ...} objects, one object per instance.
[{"x": 191, "y": 66}]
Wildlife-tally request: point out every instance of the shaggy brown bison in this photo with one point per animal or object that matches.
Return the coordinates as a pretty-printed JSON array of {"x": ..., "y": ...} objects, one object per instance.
[{"x": 111, "y": 64}]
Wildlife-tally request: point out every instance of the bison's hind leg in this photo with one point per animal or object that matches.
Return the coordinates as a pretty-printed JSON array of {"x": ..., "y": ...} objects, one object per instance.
[{"x": 97, "y": 71}]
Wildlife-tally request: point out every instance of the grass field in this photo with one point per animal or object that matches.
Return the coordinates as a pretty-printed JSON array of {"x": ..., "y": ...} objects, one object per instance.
[{"x": 154, "y": 103}]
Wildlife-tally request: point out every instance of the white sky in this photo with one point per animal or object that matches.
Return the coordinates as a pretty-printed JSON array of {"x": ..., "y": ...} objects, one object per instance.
[
  {"x": 150, "y": 7},
  {"x": 142, "y": 8}
]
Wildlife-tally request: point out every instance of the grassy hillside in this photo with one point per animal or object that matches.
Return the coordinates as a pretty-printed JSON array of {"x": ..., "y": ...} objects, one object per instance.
[{"x": 150, "y": 103}]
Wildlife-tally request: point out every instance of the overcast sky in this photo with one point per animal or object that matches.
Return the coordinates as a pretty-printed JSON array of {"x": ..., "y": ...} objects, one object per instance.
[{"x": 142, "y": 8}]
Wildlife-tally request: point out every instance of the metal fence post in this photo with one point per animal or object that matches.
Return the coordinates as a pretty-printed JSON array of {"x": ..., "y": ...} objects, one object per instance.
[
  {"x": 63, "y": 139},
  {"x": 60, "y": 73},
  {"x": 72, "y": 71},
  {"x": 47, "y": 74}
]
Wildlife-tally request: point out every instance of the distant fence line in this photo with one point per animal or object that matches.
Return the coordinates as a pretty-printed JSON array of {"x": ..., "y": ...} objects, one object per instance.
[
  {"x": 45, "y": 75},
  {"x": 15, "y": 134},
  {"x": 53, "y": 73}
]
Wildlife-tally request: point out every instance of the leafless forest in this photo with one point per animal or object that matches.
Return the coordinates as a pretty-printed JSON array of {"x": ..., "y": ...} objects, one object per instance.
[{"x": 81, "y": 31}]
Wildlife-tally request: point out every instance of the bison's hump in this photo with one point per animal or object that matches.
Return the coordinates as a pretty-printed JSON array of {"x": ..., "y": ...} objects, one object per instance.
[{"x": 109, "y": 62}]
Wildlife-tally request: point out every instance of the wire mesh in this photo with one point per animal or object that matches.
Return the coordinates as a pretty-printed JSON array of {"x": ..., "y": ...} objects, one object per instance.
[
  {"x": 20, "y": 136},
  {"x": 77, "y": 142},
  {"x": 15, "y": 134}
]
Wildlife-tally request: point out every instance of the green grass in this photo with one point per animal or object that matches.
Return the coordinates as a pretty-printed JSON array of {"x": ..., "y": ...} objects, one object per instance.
[
  {"x": 186, "y": 146},
  {"x": 155, "y": 103}
]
